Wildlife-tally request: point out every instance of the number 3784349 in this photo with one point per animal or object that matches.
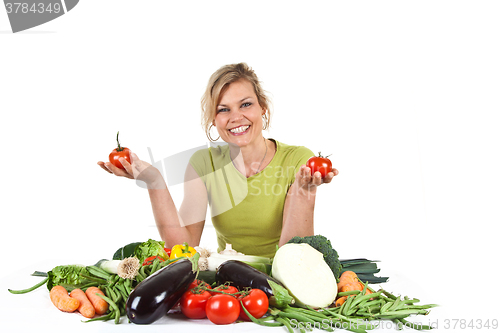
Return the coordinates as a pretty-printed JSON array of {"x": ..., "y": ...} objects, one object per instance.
[
  {"x": 478, "y": 324},
  {"x": 32, "y": 8}
]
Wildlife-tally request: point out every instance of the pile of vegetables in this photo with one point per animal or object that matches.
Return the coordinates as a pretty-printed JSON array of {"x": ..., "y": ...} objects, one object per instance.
[
  {"x": 304, "y": 286},
  {"x": 108, "y": 281}
]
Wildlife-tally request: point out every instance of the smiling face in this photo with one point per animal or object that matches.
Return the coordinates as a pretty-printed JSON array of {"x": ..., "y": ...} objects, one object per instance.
[{"x": 238, "y": 116}]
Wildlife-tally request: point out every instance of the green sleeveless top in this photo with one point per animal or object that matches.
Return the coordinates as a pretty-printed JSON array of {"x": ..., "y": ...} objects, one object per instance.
[{"x": 248, "y": 212}]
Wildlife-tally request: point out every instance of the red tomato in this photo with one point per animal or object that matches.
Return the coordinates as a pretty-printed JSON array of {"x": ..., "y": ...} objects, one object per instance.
[
  {"x": 149, "y": 260},
  {"x": 196, "y": 283},
  {"x": 256, "y": 302},
  {"x": 119, "y": 152},
  {"x": 223, "y": 309},
  {"x": 168, "y": 251},
  {"x": 193, "y": 305},
  {"x": 225, "y": 288},
  {"x": 321, "y": 164}
]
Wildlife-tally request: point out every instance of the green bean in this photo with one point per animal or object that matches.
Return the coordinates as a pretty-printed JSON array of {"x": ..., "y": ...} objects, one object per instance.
[
  {"x": 358, "y": 299},
  {"x": 301, "y": 316},
  {"x": 122, "y": 290},
  {"x": 113, "y": 305},
  {"x": 285, "y": 321},
  {"x": 415, "y": 326},
  {"x": 307, "y": 311},
  {"x": 372, "y": 303},
  {"x": 410, "y": 301},
  {"x": 156, "y": 263},
  {"x": 399, "y": 324},
  {"x": 24, "y": 291},
  {"x": 128, "y": 286},
  {"x": 404, "y": 312},
  {"x": 348, "y": 293},
  {"x": 346, "y": 305},
  {"x": 98, "y": 272},
  {"x": 395, "y": 305},
  {"x": 255, "y": 320},
  {"x": 386, "y": 306},
  {"x": 111, "y": 293},
  {"x": 427, "y": 306},
  {"x": 105, "y": 317},
  {"x": 93, "y": 278},
  {"x": 388, "y": 294},
  {"x": 88, "y": 285}
]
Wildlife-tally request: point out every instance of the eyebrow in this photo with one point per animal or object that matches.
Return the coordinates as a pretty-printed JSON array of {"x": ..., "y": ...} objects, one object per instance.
[{"x": 241, "y": 100}]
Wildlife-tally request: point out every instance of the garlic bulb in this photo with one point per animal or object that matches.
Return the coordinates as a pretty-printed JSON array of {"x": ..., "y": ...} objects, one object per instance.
[{"x": 229, "y": 251}]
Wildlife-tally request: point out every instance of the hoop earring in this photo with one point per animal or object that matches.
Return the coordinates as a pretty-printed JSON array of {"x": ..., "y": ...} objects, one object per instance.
[
  {"x": 210, "y": 136},
  {"x": 265, "y": 121}
]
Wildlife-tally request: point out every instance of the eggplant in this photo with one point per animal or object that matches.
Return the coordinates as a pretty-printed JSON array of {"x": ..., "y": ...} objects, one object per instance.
[
  {"x": 242, "y": 275},
  {"x": 159, "y": 292}
]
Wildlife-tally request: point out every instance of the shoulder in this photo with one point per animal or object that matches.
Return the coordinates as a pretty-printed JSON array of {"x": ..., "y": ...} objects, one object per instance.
[
  {"x": 292, "y": 153},
  {"x": 206, "y": 160}
]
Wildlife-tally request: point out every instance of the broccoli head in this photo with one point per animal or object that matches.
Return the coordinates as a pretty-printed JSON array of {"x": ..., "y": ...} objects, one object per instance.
[{"x": 323, "y": 245}]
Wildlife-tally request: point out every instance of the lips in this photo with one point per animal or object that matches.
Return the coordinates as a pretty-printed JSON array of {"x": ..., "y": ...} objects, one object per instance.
[{"x": 240, "y": 130}]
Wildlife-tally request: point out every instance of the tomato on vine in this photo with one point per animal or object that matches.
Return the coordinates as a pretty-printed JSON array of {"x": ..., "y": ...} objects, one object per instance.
[
  {"x": 119, "y": 152},
  {"x": 226, "y": 289},
  {"x": 256, "y": 303},
  {"x": 321, "y": 164},
  {"x": 223, "y": 309},
  {"x": 193, "y": 303}
]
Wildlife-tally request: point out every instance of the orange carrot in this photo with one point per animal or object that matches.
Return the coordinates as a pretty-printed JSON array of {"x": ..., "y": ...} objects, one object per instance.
[
  {"x": 60, "y": 298},
  {"x": 351, "y": 286},
  {"x": 346, "y": 278},
  {"x": 340, "y": 300},
  {"x": 100, "y": 305},
  {"x": 86, "y": 308}
]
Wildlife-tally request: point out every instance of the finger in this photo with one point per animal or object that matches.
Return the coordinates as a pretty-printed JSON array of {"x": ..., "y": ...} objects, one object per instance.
[
  {"x": 335, "y": 172},
  {"x": 126, "y": 165},
  {"x": 316, "y": 179},
  {"x": 329, "y": 177},
  {"x": 306, "y": 173},
  {"x": 133, "y": 157},
  {"x": 117, "y": 171},
  {"x": 101, "y": 164}
]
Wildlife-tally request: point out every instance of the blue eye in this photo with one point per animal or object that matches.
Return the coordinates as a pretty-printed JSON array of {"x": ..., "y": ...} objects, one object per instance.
[
  {"x": 247, "y": 104},
  {"x": 222, "y": 110}
]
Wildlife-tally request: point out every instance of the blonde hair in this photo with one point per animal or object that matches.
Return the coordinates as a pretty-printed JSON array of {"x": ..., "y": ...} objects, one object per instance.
[{"x": 217, "y": 85}]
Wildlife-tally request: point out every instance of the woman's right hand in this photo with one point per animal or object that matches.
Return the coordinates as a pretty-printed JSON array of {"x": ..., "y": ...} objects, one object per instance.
[{"x": 137, "y": 169}]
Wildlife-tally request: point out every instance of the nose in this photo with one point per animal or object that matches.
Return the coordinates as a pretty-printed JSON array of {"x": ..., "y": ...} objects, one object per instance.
[{"x": 235, "y": 116}]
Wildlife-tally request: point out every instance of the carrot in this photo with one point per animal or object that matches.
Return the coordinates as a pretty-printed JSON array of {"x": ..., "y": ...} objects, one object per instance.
[
  {"x": 351, "y": 286},
  {"x": 60, "y": 298},
  {"x": 346, "y": 278},
  {"x": 86, "y": 308},
  {"x": 100, "y": 305},
  {"x": 340, "y": 300}
]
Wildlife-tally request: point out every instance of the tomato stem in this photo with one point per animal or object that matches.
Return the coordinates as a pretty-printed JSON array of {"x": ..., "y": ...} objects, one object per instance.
[{"x": 119, "y": 147}]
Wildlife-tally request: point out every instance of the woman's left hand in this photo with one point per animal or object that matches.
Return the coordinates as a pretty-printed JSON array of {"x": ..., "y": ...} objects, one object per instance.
[{"x": 310, "y": 182}]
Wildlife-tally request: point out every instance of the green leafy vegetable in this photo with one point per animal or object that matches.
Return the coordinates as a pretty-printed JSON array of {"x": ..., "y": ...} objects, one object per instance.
[
  {"x": 68, "y": 276},
  {"x": 126, "y": 251},
  {"x": 281, "y": 298},
  {"x": 149, "y": 249}
]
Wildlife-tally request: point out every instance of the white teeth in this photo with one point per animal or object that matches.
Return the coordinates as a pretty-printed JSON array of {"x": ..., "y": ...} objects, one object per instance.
[{"x": 239, "y": 129}]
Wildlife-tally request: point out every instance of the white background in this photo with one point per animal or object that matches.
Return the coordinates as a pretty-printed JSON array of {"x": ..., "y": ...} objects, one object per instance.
[{"x": 404, "y": 95}]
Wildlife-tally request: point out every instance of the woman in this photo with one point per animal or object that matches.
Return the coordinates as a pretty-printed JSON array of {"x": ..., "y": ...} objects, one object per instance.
[{"x": 260, "y": 191}]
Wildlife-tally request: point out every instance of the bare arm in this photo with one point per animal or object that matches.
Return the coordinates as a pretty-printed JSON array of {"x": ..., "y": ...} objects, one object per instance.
[
  {"x": 298, "y": 213},
  {"x": 174, "y": 227},
  {"x": 187, "y": 224}
]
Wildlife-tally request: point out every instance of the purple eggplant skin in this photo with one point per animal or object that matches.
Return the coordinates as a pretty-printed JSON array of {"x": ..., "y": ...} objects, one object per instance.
[
  {"x": 158, "y": 293},
  {"x": 242, "y": 275}
]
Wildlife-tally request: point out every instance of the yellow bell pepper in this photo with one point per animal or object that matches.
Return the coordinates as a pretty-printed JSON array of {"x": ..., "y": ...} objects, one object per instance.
[{"x": 183, "y": 250}]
